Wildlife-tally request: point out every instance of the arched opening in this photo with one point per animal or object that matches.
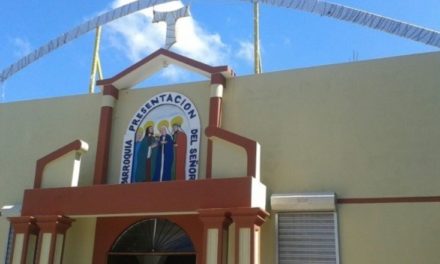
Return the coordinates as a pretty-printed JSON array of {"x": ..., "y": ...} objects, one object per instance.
[{"x": 153, "y": 241}]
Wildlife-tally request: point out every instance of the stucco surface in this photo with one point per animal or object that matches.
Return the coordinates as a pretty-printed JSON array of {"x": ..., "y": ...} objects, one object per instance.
[{"x": 364, "y": 129}]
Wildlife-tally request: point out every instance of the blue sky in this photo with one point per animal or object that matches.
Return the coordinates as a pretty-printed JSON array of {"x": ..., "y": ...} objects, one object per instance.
[{"x": 219, "y": 32}]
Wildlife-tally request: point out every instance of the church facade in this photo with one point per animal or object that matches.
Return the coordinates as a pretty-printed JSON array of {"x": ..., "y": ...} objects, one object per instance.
[{"x": 333, "y": 164}]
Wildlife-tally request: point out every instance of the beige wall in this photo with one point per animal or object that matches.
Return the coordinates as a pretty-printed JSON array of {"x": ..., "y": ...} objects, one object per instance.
[
  {"x": 360, "y": 129},
  {"x": 31, "y": 130},
  {"x": 389, "y": 233},
  {"x": 365, "y": 129},
  {"x": 378, "y": 233},
  {"x": 228, "y": 160},
  {"x": 80, "y": 239}
]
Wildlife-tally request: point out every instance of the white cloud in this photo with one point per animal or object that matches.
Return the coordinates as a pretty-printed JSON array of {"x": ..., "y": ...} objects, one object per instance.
[
  {"x": 137, "y": 36},
  {"x": 246, "y": 51},
  {"x": 197, "y": 43},
  {"x": 22, "y": 47},
  {"x": 174, "y": 73}
]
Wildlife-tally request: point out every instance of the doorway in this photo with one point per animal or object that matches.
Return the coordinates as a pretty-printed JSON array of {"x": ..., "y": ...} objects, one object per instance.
[
  {"x": 153, "y": 241},
  {"x": 158, "y": 259}
]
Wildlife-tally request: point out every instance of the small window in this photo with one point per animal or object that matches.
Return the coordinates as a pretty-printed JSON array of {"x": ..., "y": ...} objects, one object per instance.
[{"x": 306, "y": 229}]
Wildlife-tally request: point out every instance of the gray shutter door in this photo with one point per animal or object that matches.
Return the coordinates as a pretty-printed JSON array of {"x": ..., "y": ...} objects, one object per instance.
[{"x": 307, "y": 238}]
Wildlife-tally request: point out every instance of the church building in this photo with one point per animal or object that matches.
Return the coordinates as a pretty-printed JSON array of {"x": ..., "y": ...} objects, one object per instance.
[{"x": 331, "y": 164}]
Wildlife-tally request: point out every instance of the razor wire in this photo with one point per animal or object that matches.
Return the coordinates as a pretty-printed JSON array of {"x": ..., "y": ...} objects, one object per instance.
[
  {"x": 322, "y": 8},
  {"x": 360, "y": 17}
]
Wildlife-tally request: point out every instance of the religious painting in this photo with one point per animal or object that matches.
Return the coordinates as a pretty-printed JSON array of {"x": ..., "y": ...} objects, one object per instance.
[{"x": 162, "y": 141}]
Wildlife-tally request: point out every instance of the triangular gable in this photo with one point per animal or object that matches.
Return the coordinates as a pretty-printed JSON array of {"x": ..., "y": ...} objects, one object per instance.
[{"x": 155, "y": 62}]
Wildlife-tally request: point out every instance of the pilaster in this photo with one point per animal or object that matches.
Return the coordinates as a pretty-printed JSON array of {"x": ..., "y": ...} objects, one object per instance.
[
  {"x": 51, "y": 238},
  {"x": 247, "y": 234},
  {"x": 24, "y": 240},
  {"x": 109, "y": 96},
  {"x": 215, "y": 235}
]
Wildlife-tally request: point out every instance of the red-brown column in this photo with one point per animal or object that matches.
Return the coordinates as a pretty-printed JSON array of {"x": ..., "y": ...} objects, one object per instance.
[
  {"x": 218, "y": 82},
  {"x": 215, "y": 230},
  {"x": 247, "y": 234},
  {"x": 110, "y": 95},
  {"x": 209, "y": 159},
  {"x": 25, "y": 239},
  {"x": 51, "y": 238}
]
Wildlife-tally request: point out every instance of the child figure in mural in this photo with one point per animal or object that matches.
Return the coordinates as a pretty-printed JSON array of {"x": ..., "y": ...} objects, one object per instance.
[
  {"x": 151, "y": 153},
  {"x": 179, "y": 139},
  {"x": 165, "y": 154},
  {"x": 140, "y": 154}
]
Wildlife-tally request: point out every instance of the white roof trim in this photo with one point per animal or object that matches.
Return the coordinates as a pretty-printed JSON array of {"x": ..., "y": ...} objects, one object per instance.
[{"x": 303, "y": 202}]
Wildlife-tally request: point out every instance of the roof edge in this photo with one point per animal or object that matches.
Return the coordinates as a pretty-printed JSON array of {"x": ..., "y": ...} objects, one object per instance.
[{"x": 168, "y": 57}]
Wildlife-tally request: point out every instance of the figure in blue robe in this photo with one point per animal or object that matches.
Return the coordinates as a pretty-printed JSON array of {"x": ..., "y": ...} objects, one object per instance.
[
  {"x": 140, "y": 155},
  {"x": 164, "y": 156}
]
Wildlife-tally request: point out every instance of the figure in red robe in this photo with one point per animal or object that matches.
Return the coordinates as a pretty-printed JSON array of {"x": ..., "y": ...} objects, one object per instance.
[{"x": 179, "y": 138}]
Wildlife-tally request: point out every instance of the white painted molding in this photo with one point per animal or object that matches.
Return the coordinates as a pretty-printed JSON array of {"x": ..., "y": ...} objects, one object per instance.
[{"x": 303, "y": 202}]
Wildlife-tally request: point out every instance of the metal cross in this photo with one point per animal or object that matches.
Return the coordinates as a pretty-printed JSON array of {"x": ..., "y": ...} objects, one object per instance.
[{"x": 170, "y": 17}]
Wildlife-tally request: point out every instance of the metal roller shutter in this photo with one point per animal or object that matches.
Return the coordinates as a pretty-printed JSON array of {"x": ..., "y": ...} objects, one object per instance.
[{"x": 307, "y": 238}]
